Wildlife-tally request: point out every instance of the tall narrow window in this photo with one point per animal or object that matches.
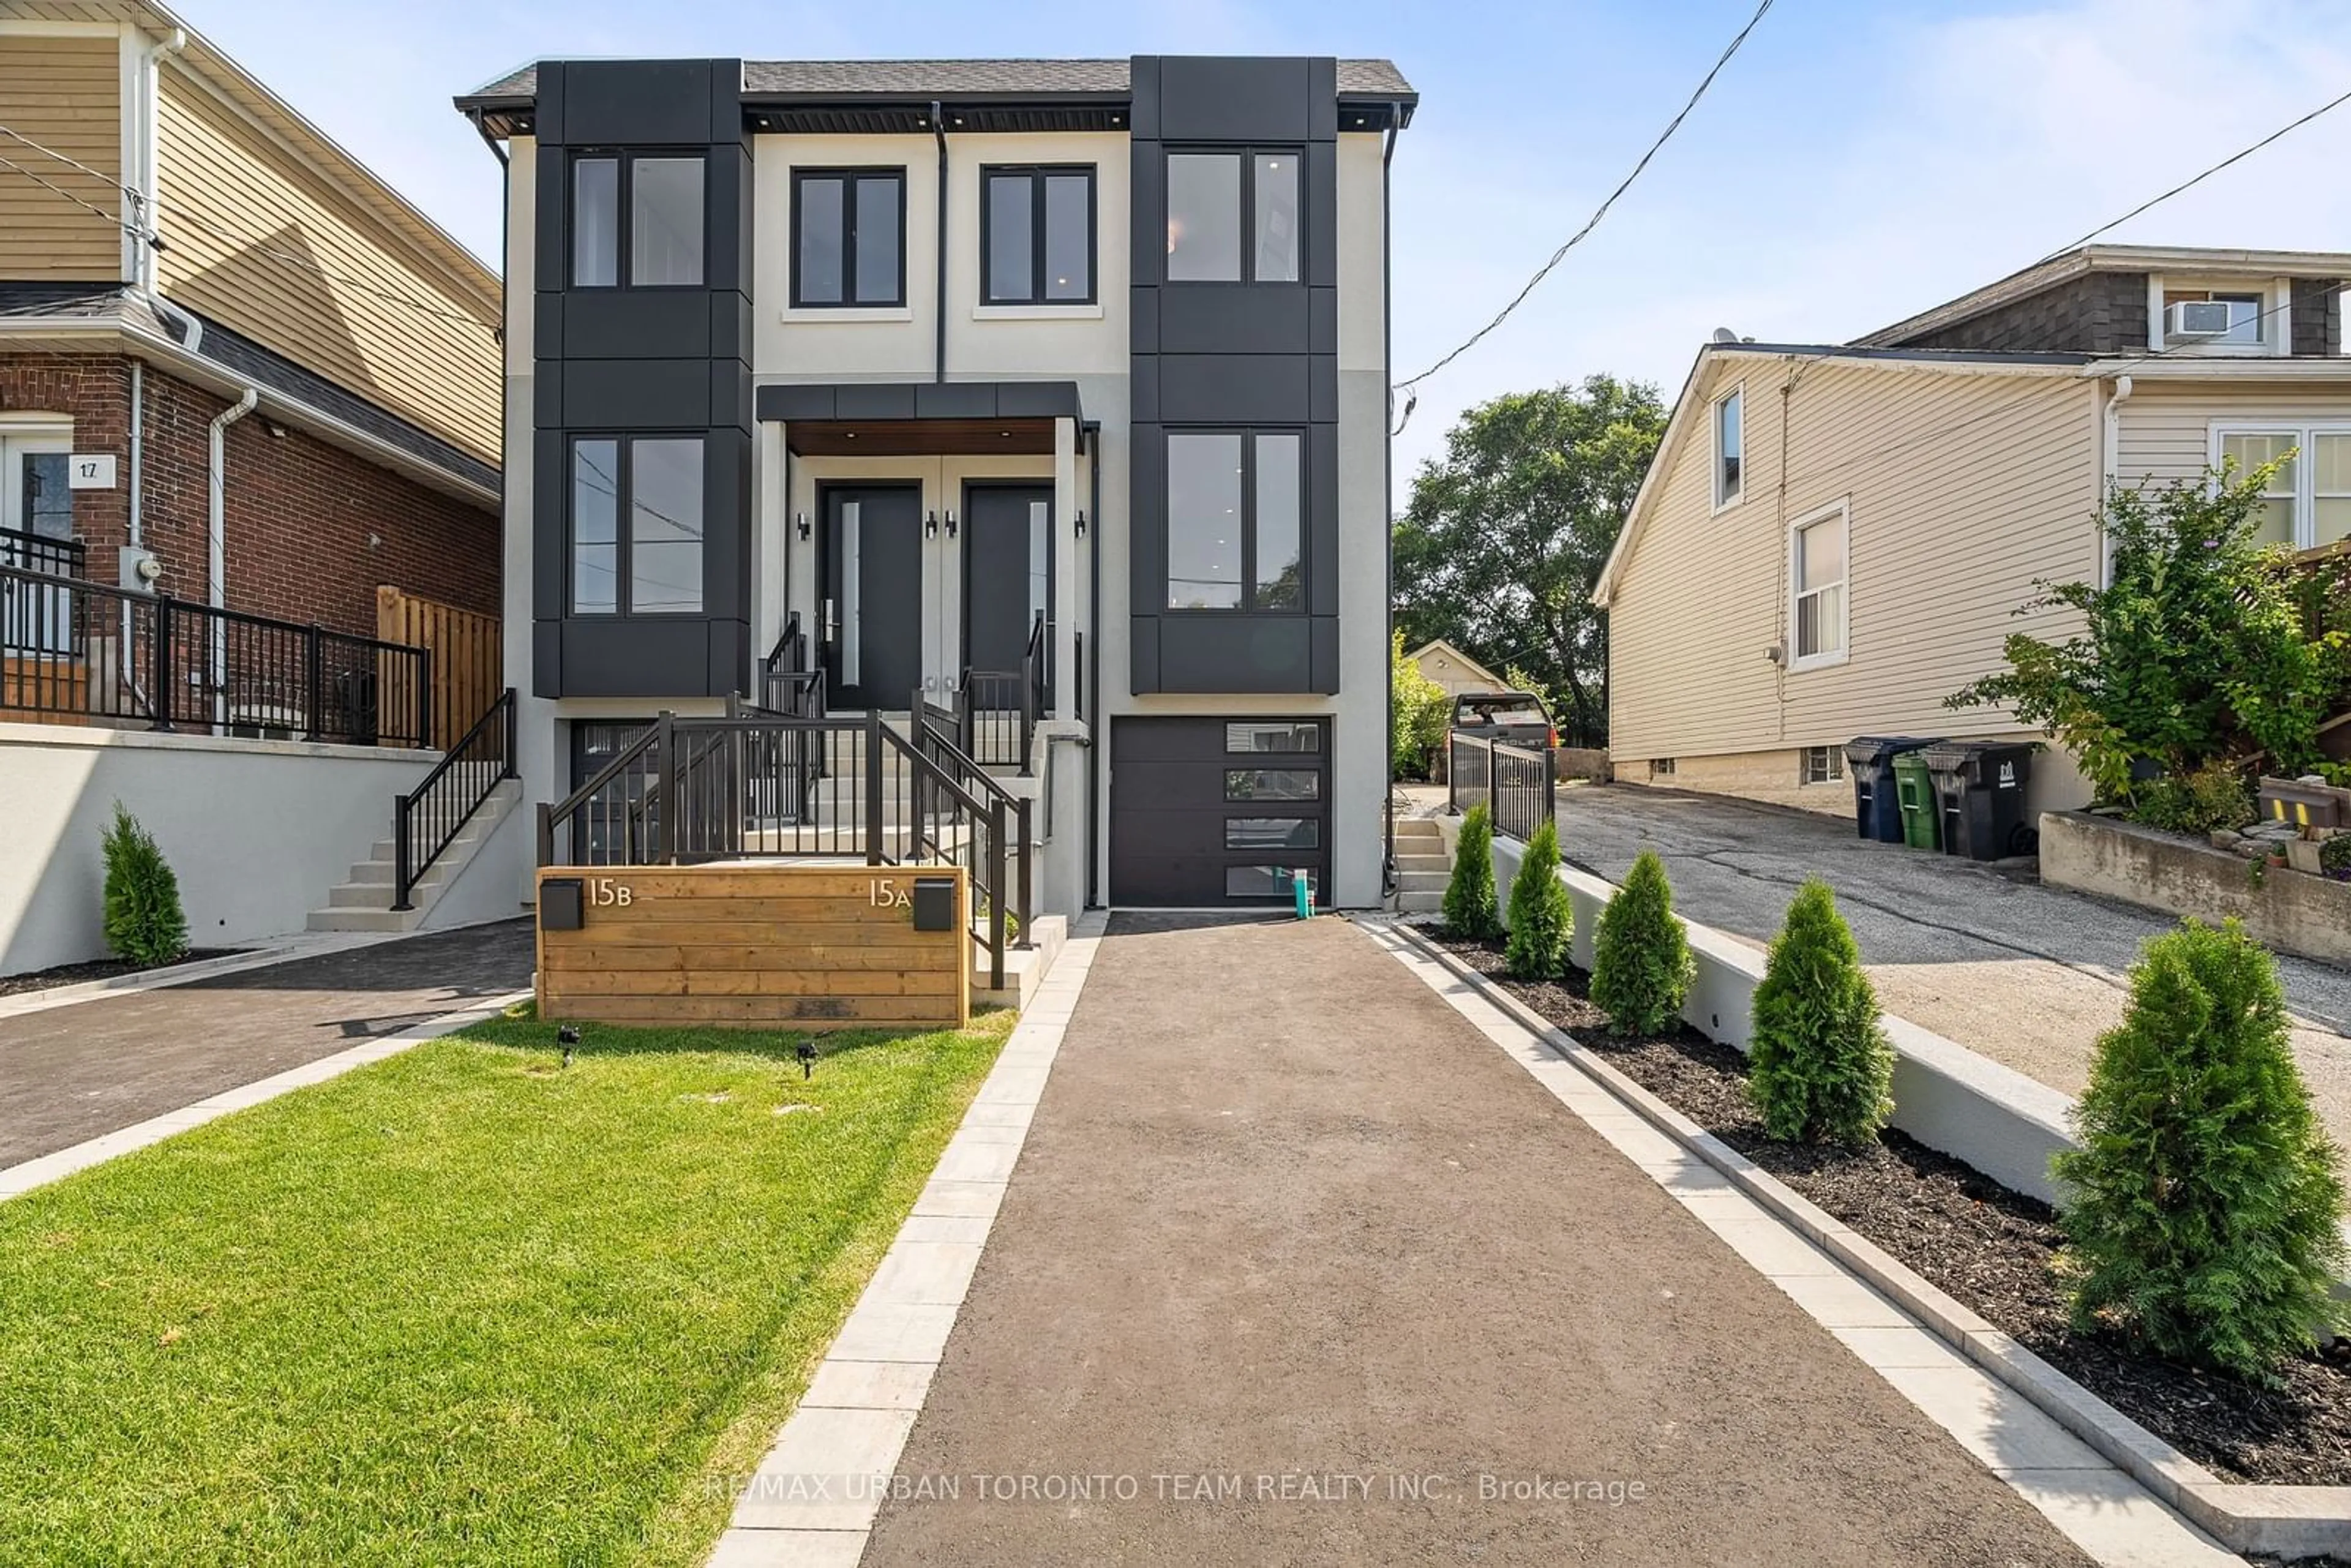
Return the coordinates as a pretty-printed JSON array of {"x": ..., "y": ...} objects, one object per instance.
[
  {"x": 666, "y": 227},
  {"x": 636, "y": 525},
  {"x": 1235, "y": 510},
  {"x": 1204, "y": 218},
  {"x": 596, "y": 223},
  {"x": 1039, "y": 244},
  {"x": 1817, "y": 568},
  {"x": 1275, "y": 180},
  {"x": 1729, "y": 447},
  {"x": 2330, "y": 462},
  {"x": 2245, "y": 453},
  {"x": 849, "y": 245},
  {"x": 595, "y": 528}
]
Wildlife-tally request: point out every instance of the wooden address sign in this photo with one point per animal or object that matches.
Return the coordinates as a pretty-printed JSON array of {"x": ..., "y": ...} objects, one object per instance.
[{"x": 762, "y": 946}]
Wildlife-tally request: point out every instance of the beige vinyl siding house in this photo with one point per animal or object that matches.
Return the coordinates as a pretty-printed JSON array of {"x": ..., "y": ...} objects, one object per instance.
[
  {"x": 1954, "y": 463},
  {"x": 1958, "y": 485},
  {"x": 65, "y": 93}
]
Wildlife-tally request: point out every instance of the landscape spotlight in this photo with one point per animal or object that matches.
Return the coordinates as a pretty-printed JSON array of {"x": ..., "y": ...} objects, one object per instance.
[
  {"x": 807, "y": 1054},
  {"x": 567, "y": 1037}
]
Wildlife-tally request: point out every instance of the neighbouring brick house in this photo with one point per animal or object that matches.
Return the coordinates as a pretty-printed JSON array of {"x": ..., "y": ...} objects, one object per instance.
[{"x": 173, "y": 235}]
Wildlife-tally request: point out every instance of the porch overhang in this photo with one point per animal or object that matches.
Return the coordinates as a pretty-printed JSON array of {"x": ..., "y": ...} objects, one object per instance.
[{"x": 919, "y": 419}]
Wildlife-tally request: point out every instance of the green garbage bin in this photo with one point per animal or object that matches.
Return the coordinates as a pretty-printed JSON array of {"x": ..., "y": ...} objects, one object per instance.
[{"x": 1913, "y": 788}]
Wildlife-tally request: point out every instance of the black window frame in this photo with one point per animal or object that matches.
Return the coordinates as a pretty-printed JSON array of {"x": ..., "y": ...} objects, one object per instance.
[
  {"x": 624, "y": 219},
  {"x": 1037, "y": 174},
  {"x": 849, "y": 176},
  {"x": 1249, "y": 584},
  {"x": 1247, "y": 217},
  {"x": 624, "y": 526}
]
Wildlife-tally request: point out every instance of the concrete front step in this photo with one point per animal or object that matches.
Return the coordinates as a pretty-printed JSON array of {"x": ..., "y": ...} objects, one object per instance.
[
  {"x": 1420, "y": 902},
  {"x": 1422, "y": 881},
  {"x": 363, "y": 903}
]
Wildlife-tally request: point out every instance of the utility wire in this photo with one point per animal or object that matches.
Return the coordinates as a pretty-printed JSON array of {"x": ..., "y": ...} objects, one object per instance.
[
  {"x": 1594, "y": 221},
  {"x": 2199, "y": 179},
  {"x": 200, "y": 220},
  {"x": 113, "y": 220}
]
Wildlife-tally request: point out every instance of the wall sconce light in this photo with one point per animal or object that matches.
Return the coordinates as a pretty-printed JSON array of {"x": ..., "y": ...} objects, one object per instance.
[
  {"x": 951, "y": 523},
  {"x": 1081, "y": 523},
  {"x": 930, "y": 525},
  {"x": 804, "y": 526}
]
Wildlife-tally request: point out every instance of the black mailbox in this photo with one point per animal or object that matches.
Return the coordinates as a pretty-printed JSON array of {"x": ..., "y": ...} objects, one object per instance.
[
  {"x": 934, "y": 903},
  {"x": 559, "y": 903}
]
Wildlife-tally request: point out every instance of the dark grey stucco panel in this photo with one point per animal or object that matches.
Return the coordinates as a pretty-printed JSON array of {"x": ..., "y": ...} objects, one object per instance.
[
  {"x": 654, "y": 103},
  {"x": 1143, "y": 82},
  {"x": 890, "y": 401},
  {"x": 1146, "y": 522},
  {"x": 726, "y": 538},
  {"x": 1323, "y": 99},
  {"x": 637, "y": 324},
  {"x": 636, "y": 394},
  {"x": 788, "y": 402},
  {"x": 1205, "y": 98},
  {"x": 1325, "y": 676},
  {"x": 550, "y": 493},
  {"x": 1323, "y": 214},
  {"x": 619, "y": 657},
  {"x": 956, "y": 400},
  {"x": 731, "y": 326},
  {"x": 547, "y": 658},
  {"x": 726, "y": 265},
  {"x": 1143, "y": 321},
  {"x": 730, "y": 394},
  {"x": 1235, "y": 654},
  {"x": 547, "y": 322},
  {"x": 1237, "y": 389},
  {"x": 547, "y": 114},
  {"x": 730, "y": 659},
  {"x": 1147, "y": 196},
  {"x": 1142, "y": 389},
  {"x": 1039, "y": 400},
  {"x": 1323, "y": 389},
  {"x": 1245, "y": 319},
  {"x": 1323, "y": 321},
  {"x": 1322, "y": 519},
  {"x": 1143, "y": 645},
  {"x": 553, "y": 250},
  {"x": 547, "y": 395}
]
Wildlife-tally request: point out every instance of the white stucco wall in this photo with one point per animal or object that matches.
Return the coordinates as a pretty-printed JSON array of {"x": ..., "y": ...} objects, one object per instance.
[{"x": 256, "y": 830}]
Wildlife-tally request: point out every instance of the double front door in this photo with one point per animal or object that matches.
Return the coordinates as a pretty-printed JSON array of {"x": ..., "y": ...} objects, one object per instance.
[{"x": 871, "y": 613}]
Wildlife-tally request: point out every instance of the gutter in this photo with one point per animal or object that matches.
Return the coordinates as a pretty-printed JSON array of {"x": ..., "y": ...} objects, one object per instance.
[
  {"x": 939, "y": 301},
  {"x": 1389, "y": 881}
]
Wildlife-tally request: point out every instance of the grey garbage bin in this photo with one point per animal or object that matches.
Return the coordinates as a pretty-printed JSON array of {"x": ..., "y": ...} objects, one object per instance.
[{"x": 1979, "y": 788}]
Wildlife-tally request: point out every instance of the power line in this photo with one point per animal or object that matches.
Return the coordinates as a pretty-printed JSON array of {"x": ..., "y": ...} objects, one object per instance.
[
  {"x": 112, "y": 220},
  {"x": 2199, "y": 179},
  {"x": 1601, "y": 212},
  {"x": 148, "y": 236}
]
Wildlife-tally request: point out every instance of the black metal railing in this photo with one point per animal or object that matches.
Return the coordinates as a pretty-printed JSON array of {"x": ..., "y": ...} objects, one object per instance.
[
  {"x": 75, "y": 652},
  {"x": 40, "y": 553},
  {"x": 999, "y": 709},
  {"x": 428, "y": 818},
  {"x": 1516, "y": 783},
  {"x": 787, "y": 683},
  {"x": 767, "y": 784}
]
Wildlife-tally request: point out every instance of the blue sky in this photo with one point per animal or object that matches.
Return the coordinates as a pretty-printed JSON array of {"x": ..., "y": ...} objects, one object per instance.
[{"x": 1859, "y": 161}]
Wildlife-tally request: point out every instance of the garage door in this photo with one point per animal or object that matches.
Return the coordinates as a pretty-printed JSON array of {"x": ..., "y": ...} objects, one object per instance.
[{"x": 1207, "y": 811}]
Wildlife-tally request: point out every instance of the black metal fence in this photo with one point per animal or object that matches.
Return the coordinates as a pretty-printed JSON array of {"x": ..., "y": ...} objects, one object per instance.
[
  {"x": 73, "y": 652},
  {"x": 428, "y": 818},
  {"x": 1516, "y": 783}
]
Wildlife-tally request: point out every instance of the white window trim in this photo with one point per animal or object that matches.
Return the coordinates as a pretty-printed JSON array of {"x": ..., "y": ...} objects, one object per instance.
[
  {"x": 1835, "y": 759},
  {"x": 1843, "y": 510},
  {"x": 1714, "y": 445},
  {"x": 2277, "y": 319},
  {"x": 830, "y": 315},
  {"x": 1037, "y": 312},
  {"x": 2305, "y": 465}
]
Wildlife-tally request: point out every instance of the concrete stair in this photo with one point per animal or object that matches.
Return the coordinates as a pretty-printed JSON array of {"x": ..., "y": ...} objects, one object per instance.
[
  {"x": 1421, "y": 866},
  {"x": 1024, "y": 968},
  {"x": 364, "y": 901}
]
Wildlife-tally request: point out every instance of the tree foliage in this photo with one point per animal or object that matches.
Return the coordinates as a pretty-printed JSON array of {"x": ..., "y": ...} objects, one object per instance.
[
  {"x": 1420, "y": 714},
  {"x": 1641, "y": 963},
  {"x": 1470, "y": 910},
  {"x": 1506, "y": 534},
  {"x": 144, "y": 922},
  {"x": 1542, "y": 918},
  {"x": 2202, "y": 646},
  {"x": 1820, "y": 1070},
  {"x": 2206, "y": 1199}
]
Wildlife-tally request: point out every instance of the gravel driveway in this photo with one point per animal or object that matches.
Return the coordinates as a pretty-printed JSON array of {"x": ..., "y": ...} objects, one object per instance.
[{"x": 2027, "y": 975}]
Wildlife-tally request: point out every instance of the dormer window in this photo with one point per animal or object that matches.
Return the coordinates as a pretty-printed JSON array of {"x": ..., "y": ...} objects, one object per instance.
[
  {"x": 2210, "y": 316},
  {"x": 2188, "y": 315}
]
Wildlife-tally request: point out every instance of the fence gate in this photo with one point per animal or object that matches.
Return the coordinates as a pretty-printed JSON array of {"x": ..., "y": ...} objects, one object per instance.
[{"x": 468, "y": 666}]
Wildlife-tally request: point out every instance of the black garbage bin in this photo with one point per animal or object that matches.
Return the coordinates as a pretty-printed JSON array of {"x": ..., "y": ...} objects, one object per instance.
[
  {"x": 1980, "y": 785},
  {"x": 1877, "y": 811}
]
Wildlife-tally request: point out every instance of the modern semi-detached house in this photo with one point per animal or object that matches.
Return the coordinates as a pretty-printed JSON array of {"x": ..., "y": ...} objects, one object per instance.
[{"x": 903, "y": 371}]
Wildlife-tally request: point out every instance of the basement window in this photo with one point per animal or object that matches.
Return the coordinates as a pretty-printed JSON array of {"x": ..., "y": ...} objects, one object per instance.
[
  {"x": 1661, "y": 766},
  {"x": 1821, "y": 764}
]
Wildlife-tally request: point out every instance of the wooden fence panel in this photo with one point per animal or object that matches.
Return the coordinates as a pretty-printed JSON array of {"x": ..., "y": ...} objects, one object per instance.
[{"x": 468, "y": 665}]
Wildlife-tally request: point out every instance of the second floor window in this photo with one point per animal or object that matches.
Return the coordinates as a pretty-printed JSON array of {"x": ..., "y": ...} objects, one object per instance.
[
  {"x": 849, "y": 228},
  {"x": 1233, "y": 217},
  {"x": 636, "y": 525},
  {"x": 1037, "y": 236},
  {"x": 1730, "y": 446},
  {"x": 1235, "y": 510},
  {"x": 637, "y": 221}
]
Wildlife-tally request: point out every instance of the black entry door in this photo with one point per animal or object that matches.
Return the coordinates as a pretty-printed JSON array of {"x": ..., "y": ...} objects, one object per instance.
[
  {"x": 1008, "y": 574},
  {"x": 1207, "y": 811},
  {"x": 872, "y": 613}
]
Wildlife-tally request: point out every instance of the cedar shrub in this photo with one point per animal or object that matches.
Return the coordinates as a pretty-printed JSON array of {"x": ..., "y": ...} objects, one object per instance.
[
  {"x": 1820, "y": 1070},
  {"x": 144, "y": 922},
  {"x": 1641, "y": 966},
  {"x": 1468, "y": 908},
  {"x": 1542, "y": 918},
  {"x": 2205, "y": 1198}
]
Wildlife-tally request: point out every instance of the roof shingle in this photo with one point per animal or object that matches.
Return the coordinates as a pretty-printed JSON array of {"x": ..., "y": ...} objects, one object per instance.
[{"x": 951, "y": 78}]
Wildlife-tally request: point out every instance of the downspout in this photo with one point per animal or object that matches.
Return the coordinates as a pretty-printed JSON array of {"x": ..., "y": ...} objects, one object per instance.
[
  {"x": 217, "y": 541},
  {"x": 939, "y": 300},
  {"x": 2110, "y": 463},
  {"x": 1388, "y": 883},
  {"x": 1096, "y": 724},
  {"x": 150, "y": 63},
  {"x": 138, "y": 443}
]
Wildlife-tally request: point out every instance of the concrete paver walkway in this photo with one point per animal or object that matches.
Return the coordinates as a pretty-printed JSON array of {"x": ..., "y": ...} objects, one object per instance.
[
  {"x": 1297, "y": 1267},
  {"x": 2029, "y": 975},
  {"x": 72, "y": 1073}
]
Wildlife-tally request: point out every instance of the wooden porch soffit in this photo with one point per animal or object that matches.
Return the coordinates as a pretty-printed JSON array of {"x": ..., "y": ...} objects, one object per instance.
[{"x": 908, "y": 419}]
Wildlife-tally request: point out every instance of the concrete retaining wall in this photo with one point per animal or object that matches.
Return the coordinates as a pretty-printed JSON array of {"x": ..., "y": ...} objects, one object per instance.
[
  {"x": 257, "y": 831},
  {"x": 2289, "y": 910},
  {"x": 1584, "y": 762}
]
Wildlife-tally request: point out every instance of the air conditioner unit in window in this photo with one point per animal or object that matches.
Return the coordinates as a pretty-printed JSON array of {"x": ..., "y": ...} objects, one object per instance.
[{"x": 2197, "y": 319}]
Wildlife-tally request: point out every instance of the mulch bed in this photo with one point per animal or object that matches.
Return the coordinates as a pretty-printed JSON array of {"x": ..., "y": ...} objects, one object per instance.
[
  {"x": 1986, "y": 1246},
  {"x": 98, "y": 969}
]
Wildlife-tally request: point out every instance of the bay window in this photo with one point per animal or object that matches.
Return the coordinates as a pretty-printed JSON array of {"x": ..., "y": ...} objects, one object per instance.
[
  {"x": 636, "y": 525},
  {"x": 643, "y": 209},
  {"x": 1236, "y": 519},
  {"x": 1228, "y": 208}
]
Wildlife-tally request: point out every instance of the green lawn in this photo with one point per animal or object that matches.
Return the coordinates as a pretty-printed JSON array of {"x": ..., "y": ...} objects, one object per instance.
[{"x": 464, "y": 1306}]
